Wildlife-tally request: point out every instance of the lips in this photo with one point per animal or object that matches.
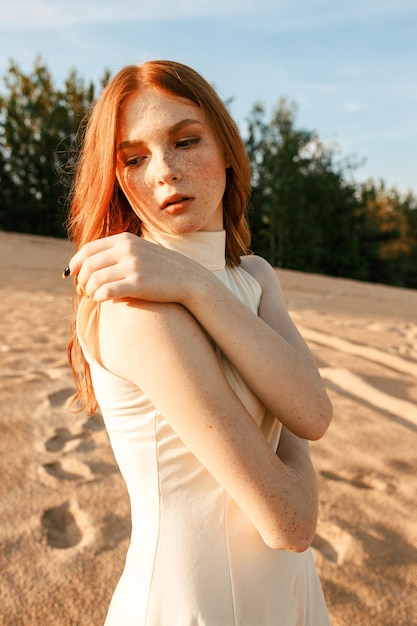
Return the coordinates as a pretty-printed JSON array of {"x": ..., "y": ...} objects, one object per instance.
[{"x": 174, "y": 199}]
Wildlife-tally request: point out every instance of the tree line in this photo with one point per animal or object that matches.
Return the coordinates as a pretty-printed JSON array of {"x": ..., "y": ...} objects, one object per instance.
[{"x": 306, "y": 211}]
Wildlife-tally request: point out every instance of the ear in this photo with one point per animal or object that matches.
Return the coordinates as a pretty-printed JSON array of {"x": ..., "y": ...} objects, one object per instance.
[
  {"x": 120, "y": 184},
  {"x": 227, "y": 164}
]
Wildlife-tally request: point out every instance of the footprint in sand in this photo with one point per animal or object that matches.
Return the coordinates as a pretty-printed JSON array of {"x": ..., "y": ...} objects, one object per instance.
[
  {"x": 64, "y": 439},
  {"x": 60, "y": 527},
  {"x": 88, "y": 435},
  {"x": 95, "y": 422},
  {"x": 69, "y": 469},
  {"x": 333, "y": 543},
  {"x": 402, "y": 466},
  {"x": 59, "y": 398},
  {"x": 325, "y": 548},
  {"x": 115, "y": 530},
  {"x": 362, "y": 480}
]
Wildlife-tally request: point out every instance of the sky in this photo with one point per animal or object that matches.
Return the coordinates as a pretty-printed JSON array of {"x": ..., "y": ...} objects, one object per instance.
[{"x": 349, "y": 66}]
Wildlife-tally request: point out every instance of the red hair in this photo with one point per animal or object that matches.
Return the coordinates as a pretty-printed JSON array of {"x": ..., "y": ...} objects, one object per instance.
[{"x": 98, "y": 207}]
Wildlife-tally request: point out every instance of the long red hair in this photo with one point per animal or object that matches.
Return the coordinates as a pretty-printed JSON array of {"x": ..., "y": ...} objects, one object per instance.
[{"x": 98, "y": 207}]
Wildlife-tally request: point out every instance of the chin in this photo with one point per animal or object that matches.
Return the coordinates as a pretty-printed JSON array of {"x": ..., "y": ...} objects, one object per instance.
[{"x": 190, "y": 226}]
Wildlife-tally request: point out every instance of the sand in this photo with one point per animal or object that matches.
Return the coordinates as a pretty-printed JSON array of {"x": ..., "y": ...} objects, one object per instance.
[{"x": 64, "y": 512}]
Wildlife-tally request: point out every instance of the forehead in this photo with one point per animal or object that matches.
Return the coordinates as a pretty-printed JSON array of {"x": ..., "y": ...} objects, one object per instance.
[{"x": 154, "y": 109}]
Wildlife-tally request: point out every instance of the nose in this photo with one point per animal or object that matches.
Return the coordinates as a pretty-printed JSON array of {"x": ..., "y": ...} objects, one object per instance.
[{"x": 166, "y": 168}]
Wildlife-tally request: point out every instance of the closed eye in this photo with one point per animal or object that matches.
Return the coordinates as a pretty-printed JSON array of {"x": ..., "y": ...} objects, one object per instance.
[
  {"x": 134, "y": 161},
  {"x": 186, "y": 143}
]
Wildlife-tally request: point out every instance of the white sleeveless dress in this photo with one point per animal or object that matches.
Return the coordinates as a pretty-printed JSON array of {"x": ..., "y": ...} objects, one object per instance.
[{"x": 194, "y": 559}]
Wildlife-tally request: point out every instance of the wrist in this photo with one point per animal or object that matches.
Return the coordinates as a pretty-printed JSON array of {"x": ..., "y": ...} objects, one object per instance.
[{"x": 199, "y": 289}]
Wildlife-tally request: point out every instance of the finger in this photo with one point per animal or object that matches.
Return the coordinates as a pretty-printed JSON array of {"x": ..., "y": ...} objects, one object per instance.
[
  {"x": 98, "y": 269},
  {"x": 115, "y": 290},
  {"x": 86, "y": 251},
  {"x": 103, "y": 270},
  {"x": 89, "y": 249}
]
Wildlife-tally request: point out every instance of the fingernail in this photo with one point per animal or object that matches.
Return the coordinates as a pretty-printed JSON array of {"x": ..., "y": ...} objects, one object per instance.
[
  {"x": 66, "y": 272},
  {"x": 79, "y": 290}
]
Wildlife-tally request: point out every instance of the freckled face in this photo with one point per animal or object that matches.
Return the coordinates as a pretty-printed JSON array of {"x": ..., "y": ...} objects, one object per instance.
[{"x": 169, "y": 164}]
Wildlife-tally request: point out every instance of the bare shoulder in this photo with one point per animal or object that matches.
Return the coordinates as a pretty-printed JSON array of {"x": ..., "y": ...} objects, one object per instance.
[
  {"x": 262, "y": 271},
  {"x": 272, "y": 307}
]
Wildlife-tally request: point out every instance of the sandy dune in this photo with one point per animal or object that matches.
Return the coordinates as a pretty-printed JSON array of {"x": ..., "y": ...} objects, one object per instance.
[{"x": 64, "y": 511}]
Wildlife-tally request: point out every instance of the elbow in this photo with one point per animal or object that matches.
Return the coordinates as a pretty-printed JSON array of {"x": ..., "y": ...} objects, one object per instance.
[
  {"x": 327, "y": 415},
  {"x": 302, "y": 541},
  {"x": 321, "y": 420},
  {"x": 301, "y": 545},
  {"x": 296, "y": 539},
  {"x": 295, "y": 530},
  {"x": 311, "y": 419},
  {"x": 297, "y": 542}
]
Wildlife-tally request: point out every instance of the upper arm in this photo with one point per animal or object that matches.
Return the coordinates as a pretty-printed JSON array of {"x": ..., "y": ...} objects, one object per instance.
[
  {"x": 162, "y": 349},
  {"x": 272, "y": 308}
]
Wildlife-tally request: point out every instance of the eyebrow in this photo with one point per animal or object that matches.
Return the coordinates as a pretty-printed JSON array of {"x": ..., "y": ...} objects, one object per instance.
[{"x": 171, "y": 131}]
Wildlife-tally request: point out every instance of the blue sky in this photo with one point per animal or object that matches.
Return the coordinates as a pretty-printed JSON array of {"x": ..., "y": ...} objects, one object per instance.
[{"x": 349, "y": 65}]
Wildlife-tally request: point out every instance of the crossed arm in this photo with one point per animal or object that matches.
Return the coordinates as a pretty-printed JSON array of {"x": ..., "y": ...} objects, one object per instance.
[
  {"x": 268, "y": 351},
  {"x": 156, "y": 340}
]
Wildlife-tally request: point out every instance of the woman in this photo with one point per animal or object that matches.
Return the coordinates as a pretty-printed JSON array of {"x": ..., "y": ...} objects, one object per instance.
[{"x": 208, "y": 392}]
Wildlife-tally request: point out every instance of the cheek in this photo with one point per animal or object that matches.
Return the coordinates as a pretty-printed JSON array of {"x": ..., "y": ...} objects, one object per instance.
[
  {"x": 217, "y": 177},
  {"x": 212, "y": 170},
  {"x": 135, "y": 196},
  {"x": 132, "y": 185}
]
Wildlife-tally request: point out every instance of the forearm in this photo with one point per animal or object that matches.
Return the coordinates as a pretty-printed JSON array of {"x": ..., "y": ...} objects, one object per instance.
[
  {"x": 283, "y": 379},
  {"x": 301, "y": 490}
]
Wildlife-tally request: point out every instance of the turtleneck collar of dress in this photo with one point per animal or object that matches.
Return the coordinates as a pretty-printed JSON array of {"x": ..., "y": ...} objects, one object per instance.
[{"x": 205, "y": 247}]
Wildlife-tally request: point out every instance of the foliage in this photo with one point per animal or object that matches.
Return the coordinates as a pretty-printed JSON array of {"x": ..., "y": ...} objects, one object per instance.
[
  {"x": 306, "y": 213},
  {"x": 37, "y": 133},
  {"x": 389, "y": 234}
]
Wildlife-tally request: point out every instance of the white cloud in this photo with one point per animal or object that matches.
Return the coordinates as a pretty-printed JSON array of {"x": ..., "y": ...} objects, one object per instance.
[
  {"x": 277, "y": 15},
  {"x": 353, "y": 107},
  {"x": 24, "y": 14}
]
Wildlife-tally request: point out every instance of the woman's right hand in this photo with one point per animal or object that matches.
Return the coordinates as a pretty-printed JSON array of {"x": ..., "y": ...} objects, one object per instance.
[{"x": 126, "y": 266}]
